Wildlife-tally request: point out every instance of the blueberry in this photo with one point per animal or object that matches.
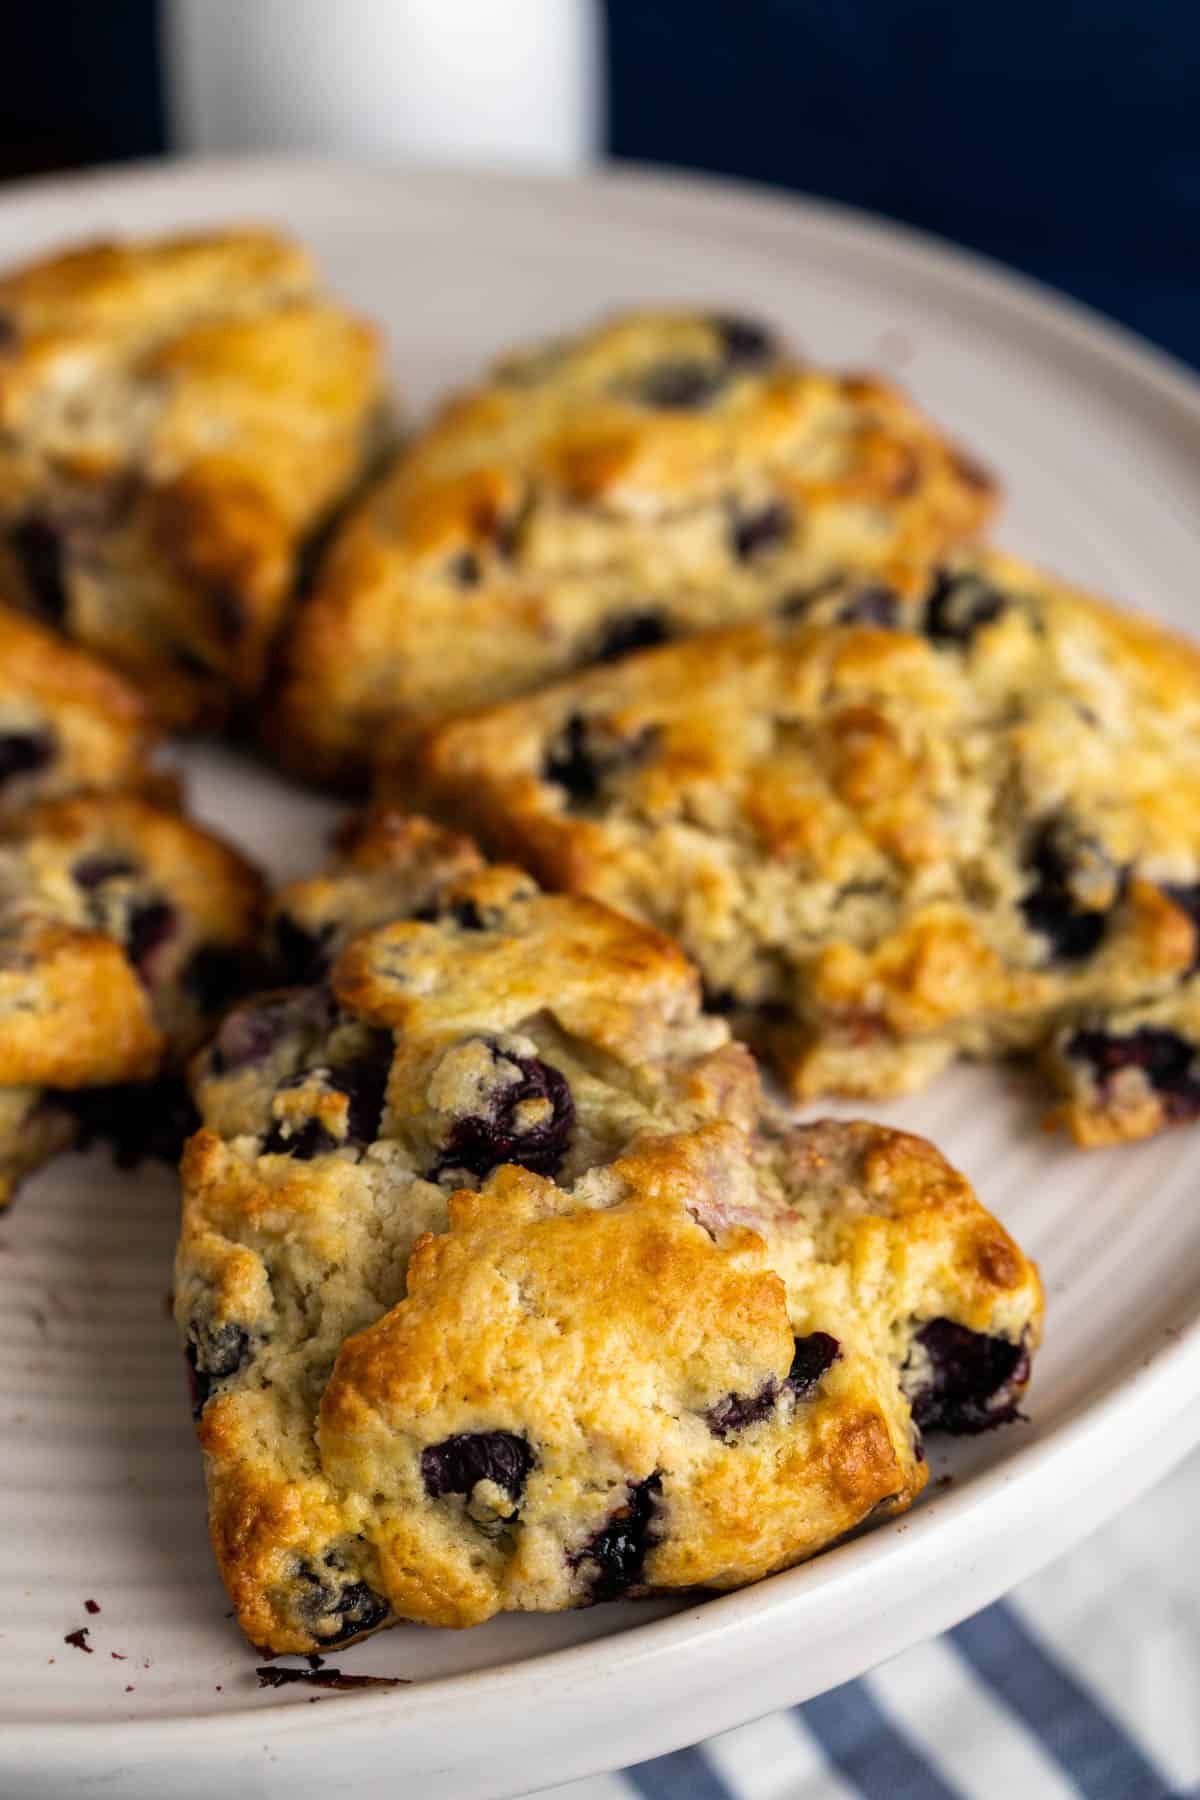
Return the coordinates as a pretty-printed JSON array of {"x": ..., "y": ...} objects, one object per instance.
[
  {"x": 720, "y": 1000},
  {"x": 335, "y": 1609},
  {"x": 960, "y": 605},
  {"x": 683, "y": 384},
  {"x": 466, "y": 569},
  {"x": 734, "y": 1412},
  {"x": 618, "y": 1549},
  {"x": 216, "y": 974},
  {"x": 871, "y": 605},
  {"x": 39, "y": 550},
  {"x": 965, "y": 1381},
  {"x": 746, "y": 343},
  {"x": 213, "y": 1354},
  {"x": 364, "y": 1083},
  {"x": 1170, "y": 1064},
  {"x": 1187, "y": 897},
  {"x": 752, "y": 533},
  {"x": 580, "y": 758},
  {"x": 23, "y": 752},
  {"x": 631, "y": 631},
  {"x": 91, "y": 872},
  {"x": 150, "y": 924},
  {"x": 467, "y": 916},
  {"x": 457, "y": 1463},
  {"x": 302, "y": 956},
  {"x": 813, "y": 1356},
  {"x": 1070, "y": 870},
  {"x": 479, "y": 1143},
  {"x": 252, "y": 1032},
  {"x": 312, "y": 1139}
]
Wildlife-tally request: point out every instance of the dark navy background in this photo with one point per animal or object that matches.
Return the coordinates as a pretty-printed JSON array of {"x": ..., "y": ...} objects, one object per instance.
[{"x": 1062, "y": 136}]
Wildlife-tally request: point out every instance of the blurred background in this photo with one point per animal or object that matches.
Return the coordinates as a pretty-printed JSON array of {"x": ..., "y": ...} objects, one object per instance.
[{"x": 1061, "y": 136}]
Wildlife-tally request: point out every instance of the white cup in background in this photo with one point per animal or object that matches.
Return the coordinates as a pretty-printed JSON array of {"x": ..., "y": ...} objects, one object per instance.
[{"x": 515, "y": 82}]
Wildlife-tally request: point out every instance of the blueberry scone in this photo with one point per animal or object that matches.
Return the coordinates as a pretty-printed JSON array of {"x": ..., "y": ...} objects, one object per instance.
[
  {"x": 67, "y": 723},
  {"x": 492, "y": 1301},
  {"x": 177, "y": 418},
  {"x": 613, "y": 1385},
  {"x": 957, "y": 815},
  {"x": 664, "y": 473},
  {"x": 124, "y": 931}
]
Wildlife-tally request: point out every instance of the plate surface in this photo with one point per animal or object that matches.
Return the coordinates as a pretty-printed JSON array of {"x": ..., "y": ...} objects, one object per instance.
[{"x": 1098, "y": 441}]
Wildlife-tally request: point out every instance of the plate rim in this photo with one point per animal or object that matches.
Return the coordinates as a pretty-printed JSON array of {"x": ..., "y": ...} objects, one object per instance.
[{"x": 1140, "y": 1401}]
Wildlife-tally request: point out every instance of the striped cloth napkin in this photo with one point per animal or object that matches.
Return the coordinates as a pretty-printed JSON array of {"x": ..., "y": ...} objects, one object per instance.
[{"x": 1085, "y": 1682}]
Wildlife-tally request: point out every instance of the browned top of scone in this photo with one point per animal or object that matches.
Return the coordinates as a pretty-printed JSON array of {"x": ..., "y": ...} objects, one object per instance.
[
  {"x": 123, "y": 927},
  {"x": 177, "y": 415},
  {"x": 603, "y": 1332},
  {"x": 940, "y": 810},
  {"x": 663, "y": 473}
]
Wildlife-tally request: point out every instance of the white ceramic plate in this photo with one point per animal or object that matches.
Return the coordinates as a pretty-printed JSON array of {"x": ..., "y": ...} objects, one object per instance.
[{"x": 100, "y": 1492}]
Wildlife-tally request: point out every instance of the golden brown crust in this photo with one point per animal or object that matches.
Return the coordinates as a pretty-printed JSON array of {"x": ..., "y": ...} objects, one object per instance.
[
  {"x": 650, "y": 476},
  {"x": 883, "y": 846},
  {"x": 180, "y": 415},
  {"x": 621, "y": 1324}
]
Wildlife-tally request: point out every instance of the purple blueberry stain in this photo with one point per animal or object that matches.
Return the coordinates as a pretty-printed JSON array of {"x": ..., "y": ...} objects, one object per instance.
[
  {"x": 617, "y": 1552},
  {"x": 456, "y": 1464},
  {"x": 92, "y": 872},
  {"x": 812, "y": 1358},
  {"x": 753, "y": 533},
  {"x": 334, "y": 1608},
  {"x": 876, "y": 605},
  {"x": 363, "y": 1082},
  {"x": 25, "y": 752},
  {"x": 465, "y": 569},
  {"x": 38, "y": 548},
  {"x": 1070, "y": 870},
  {"x": 959, "y": 606},
  {"x": 310, "y": 1140},
  {"x": 581, "y": 758},
  {"x": 250, "y": 1034},
  {"x": 963, "y": 1381},
  {"x": 682, "y": 384},
  {"x": 482, "y": 1141},
  {"x": 213, "y": 1353},
  {"x": 745, "y": 343},
  {"x": 1169, "y": 1064},
  {"x": 642, "y": 629},
  {"x": 734, "y": 1412}
]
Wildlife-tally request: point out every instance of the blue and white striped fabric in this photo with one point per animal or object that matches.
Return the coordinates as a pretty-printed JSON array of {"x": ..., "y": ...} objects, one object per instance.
[{"x": 1083, "y": 1685}]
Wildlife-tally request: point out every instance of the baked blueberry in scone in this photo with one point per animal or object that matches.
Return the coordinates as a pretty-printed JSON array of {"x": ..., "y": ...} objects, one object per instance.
[
  {"x": 178, "y": 416},
  {"x": 661, "y": 474},
  {"x": 957, "y": 817},
  {"x": 124, "y": 931},
  {"x": 67, "y": 723},
  {"x": 640, "y": 1350}
]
